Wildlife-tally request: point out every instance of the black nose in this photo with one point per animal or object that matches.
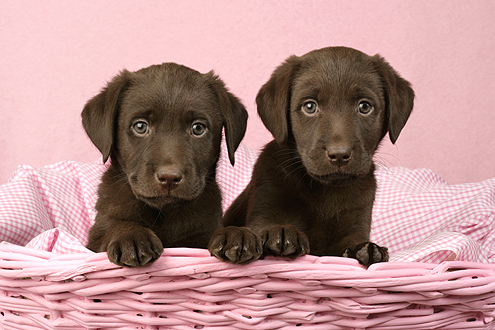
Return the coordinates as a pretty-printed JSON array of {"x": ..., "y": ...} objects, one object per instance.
[
  {"x": 168, "y": 177},
  {"x": 339, "y": 155}
]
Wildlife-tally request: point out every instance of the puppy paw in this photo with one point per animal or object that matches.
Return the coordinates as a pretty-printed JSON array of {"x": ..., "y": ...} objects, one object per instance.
[
  {"x": 237, "y": 245},
  {"x": 367, "y": 253},
  {"x": 285, "y": 241},
  {"x": 135, "y": 249}
]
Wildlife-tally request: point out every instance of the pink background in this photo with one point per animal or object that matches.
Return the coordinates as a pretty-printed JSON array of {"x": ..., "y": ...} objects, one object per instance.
[{"x": 55, "y": 55}]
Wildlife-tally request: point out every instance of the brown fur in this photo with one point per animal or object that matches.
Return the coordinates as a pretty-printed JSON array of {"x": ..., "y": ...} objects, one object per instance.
[
  {"x": 160, "y": 189},
  {"x": 313, "y": 187}
]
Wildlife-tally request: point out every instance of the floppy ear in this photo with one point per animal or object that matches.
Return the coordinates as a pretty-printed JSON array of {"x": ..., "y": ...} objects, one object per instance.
[
  {"x": 399, "y": 95},
  {"x": 273, "y": 99},
  {"x": 234, "y": 115},
  {"x": 99, "y": 114}
]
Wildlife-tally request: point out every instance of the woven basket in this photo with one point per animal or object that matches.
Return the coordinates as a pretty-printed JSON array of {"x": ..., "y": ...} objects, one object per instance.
[{"x": 188, "y": 289}]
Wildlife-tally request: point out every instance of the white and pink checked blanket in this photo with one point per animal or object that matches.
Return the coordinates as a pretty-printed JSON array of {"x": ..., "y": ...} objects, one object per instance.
[{"x": 417, "y": 215}]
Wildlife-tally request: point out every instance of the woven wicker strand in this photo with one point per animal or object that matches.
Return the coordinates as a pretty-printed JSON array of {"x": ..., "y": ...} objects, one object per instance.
[{"x": 188, "y": 289}]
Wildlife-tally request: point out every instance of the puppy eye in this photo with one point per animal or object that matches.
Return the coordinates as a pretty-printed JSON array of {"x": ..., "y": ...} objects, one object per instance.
[
  {"x": 310, "y": 107},
  {"x": 198, "y": 129},
  {"x": 365, "y": 107},
  {"x": 140, "y": 127}
]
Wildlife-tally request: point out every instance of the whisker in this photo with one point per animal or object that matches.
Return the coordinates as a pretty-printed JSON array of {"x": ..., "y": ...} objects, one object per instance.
[
  {"x": 304, "y": 174},
  {"x": 157, "y": 218},
  {"x": 286, "y": 163},
  {"x": 385, "y": 161},
  {"x": 297, "y": 169}
]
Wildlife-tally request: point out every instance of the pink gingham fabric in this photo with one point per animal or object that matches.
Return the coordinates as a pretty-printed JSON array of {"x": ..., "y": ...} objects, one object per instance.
[
  {"x": 417, "y": 215},
  {"x": 420, "y": 217}
]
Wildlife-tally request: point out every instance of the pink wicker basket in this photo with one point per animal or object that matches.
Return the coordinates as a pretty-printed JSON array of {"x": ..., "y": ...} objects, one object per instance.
[
  {"x": 188, "y": 289},
  {"x": 441, "y": 240}
]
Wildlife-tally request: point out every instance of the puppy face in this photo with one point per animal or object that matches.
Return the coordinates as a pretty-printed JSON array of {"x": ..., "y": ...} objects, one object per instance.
[
  {"x": 168, "y": 136},
  {"x": 162, "y": 126},
  {"x": 337, "y": 111},
  {"x": 335, "y": 105}
]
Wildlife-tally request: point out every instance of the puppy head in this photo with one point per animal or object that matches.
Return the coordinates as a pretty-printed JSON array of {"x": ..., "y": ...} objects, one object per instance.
[
  {"x": 336, "y": 104},
  {"x": 162, "y": 126}
]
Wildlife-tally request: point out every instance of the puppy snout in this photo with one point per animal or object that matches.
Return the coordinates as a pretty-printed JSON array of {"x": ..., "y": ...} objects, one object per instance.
[
  {"x": 339, "y": 155},
  {"x": 169, "y": 178}
]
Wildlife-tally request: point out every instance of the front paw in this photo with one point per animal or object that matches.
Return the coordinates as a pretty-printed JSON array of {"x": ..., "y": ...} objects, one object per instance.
[
  {"x": 285, "y": 241},
  {"x": 237, "y": 245},
  {"x": 367, "y": 253},
  {"x": 135, "y": 248}
]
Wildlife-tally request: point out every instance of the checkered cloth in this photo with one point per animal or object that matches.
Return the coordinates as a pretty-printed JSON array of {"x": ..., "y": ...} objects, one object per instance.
[{"x": 417, "y": 215}]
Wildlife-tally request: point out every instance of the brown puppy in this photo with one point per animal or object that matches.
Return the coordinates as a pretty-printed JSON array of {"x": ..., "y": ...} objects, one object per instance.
[
  {"x": 162, "y": 127},
  {"x": 313, "y": 188}
]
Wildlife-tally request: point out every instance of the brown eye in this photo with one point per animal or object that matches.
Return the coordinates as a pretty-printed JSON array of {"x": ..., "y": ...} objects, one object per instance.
[
  {"x": 198, "y": 129},
  {"x": 140, "y": 127},
  {"x": 365, "y": 107},
  {"x": 310, "y": 107}
]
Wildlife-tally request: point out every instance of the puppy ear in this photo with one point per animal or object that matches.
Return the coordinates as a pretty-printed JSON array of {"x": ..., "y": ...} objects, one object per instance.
[
  {"x": 100, "y": 112},
  {"x": 273, "y": 99},
  {"x": 399, "y": 95},
  {"x": 233, "y": 112}
]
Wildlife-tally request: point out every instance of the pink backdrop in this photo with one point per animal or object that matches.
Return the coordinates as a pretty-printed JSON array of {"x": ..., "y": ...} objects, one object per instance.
[{"x": 55, "y": 55}]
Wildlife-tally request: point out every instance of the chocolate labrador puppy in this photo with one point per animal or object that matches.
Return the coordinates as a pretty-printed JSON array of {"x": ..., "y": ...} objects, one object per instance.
[
  {"x": 313, "y": 187},
  {"x": 162, "y": 127}
]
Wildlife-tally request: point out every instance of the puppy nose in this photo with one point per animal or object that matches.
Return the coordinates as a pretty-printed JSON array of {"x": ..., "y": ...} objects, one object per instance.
[
  {"x": 169, "y": 178},
  {"x": 339, "y": 155}
]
